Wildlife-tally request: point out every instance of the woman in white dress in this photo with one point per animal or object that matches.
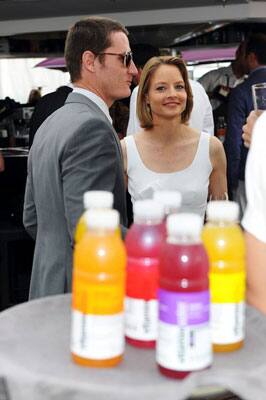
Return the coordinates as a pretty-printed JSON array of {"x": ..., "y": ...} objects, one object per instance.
[{"x": 168, "y": 154}]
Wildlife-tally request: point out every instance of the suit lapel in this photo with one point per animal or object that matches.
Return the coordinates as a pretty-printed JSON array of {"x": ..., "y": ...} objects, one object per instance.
[{"x": 80, "y": 98}]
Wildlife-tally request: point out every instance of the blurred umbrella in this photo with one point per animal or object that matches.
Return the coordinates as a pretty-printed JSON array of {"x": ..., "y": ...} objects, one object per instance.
[{"x": 53, "y": 63}]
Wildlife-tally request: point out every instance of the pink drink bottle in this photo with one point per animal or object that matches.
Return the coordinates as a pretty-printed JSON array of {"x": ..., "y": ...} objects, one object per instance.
[
  {"x": 143, "y": 243},
  {"x": 184, "y": 337}
]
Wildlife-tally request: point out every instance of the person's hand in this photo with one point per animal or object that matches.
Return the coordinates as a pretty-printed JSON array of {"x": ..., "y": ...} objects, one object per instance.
[{"x": 248, "y": 127}]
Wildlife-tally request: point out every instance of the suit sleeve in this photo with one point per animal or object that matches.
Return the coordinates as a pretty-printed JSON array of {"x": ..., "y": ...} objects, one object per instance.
[
  {"x": 29, "y": 212},
  {"x": 233, "y": 141},
  {"x": 89, "y": 162}
]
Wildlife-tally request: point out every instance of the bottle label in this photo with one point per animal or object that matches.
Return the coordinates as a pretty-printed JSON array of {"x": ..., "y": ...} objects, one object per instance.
[
  {"x": 184, "y": 337},
  {"x": 141, "y": 319},
  {"x": 227, "y": 322},
  {"x": 97, "y": 337},
  {"x": 228, "y": 307},
  {"x": 227, "y": 288}
]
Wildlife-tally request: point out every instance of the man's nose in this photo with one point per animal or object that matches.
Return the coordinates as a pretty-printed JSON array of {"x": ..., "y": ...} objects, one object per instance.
[{"x": 133, "y": 69}]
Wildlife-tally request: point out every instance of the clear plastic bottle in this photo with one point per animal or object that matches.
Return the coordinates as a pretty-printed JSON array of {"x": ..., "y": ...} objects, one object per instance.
[
  {"x": 143, "y": 244},
  {"x": 184, "y": 337},
  {"x": 92, "y": 199},
  {"x": 97, "y": 337},
  {"x": 171, "y": 201},
  {"x": 223, "y": 239}
]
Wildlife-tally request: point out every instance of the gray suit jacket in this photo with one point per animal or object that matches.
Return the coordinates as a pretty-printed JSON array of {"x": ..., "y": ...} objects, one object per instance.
[{"x": 74, "y": 150}]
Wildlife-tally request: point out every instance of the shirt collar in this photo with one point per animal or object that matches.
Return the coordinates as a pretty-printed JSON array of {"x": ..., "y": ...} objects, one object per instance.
[{"x": 96, "y": 99}]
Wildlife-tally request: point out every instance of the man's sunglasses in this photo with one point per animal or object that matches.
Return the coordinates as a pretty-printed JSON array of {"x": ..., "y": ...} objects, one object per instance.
[{"x": 125, "y": 58}]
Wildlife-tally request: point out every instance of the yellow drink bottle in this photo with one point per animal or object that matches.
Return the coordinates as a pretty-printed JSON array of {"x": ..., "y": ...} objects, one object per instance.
[
  {"x": 97, "y": 334},
  {"x": 92, "y": 199},
  {"x": 224, "y": 242}
]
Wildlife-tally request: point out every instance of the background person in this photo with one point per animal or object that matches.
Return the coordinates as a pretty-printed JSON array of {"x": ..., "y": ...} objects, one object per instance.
[
  {"x": 2, "y": 163},
  {"x": 254, "y": 221},
  {"x": 167, "y": 153},
  {"x": 76, "y": 149},
  {"x": 239, "y": 106},
  {"x": 45, "y": 107}
]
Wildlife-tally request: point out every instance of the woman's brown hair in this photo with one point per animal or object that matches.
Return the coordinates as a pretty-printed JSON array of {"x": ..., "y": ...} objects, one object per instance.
[{"x": 143, "y": 109}]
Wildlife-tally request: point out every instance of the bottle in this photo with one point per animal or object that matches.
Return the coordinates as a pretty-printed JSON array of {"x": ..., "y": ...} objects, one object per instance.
[
  {"x": 143, "y": 243},
  {"x": 221, "y": 128},
  {"x": 97, "y": 337},
  {"x": 92, "y": 199},
  {"x": 171, "y": 201},
  {"x": 184, "y": 337},
  {"x": 224, "y": 241}
]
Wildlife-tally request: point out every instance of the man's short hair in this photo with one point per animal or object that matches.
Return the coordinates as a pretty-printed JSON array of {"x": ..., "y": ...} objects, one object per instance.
[
  {"x": 142, "y": 52},
  {"x": 92, "y": 34},
  {"x": 256, "y": 43}
]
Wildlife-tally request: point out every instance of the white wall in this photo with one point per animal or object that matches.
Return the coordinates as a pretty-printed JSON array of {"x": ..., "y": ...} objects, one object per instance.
[{"x": 18, "y": 76}]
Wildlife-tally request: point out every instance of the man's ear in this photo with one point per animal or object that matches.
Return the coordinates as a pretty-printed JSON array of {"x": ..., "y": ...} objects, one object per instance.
[{"x": 88, "y": 58}]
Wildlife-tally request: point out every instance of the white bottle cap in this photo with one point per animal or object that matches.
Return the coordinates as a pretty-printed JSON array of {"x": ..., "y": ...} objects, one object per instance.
[
  {"x": 227, "y": 211},
  {"x": 170, "y": 199},
  {"x": 184, "y": 224},
  {"x": 106, "y": 219},
  {"x": 98, "y": 199},
  {"x": 148, "y": 209}
]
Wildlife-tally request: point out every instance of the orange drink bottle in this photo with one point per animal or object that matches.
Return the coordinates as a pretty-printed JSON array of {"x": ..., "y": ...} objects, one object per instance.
[
  {"x": 224, "y": 242},
  {"x": 92, "y": 199},
  {"x": 97, "y": 334}
]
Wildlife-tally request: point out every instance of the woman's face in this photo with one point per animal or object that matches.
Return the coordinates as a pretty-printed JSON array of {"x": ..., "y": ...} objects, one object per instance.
[{"x": 166, "y": 95}]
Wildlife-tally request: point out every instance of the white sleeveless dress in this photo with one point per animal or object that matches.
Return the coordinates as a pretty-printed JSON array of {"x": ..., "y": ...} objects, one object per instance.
[{"x": 192, "y": 182}]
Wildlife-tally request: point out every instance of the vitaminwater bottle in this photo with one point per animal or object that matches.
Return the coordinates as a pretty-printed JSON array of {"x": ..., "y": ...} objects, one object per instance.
[
  {"x": 143, "y": 243},
  {"x": 97, "y": 337},
  {"x": 171, "y": 201},
  {"x": 92, "y": 199},
  {"x": 184, "y": 336},
  {"x": 224, "y": 241}
]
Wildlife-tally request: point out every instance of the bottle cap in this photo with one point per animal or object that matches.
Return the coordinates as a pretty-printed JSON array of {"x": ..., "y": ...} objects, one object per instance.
[
  {"x": 98, "y": 199},
  {"x": 170, "y": 199},
  {"x": 184, "y": 224},
  {"x": 106, "y": 219},
  {"x": 227, "y": 211},
  {"x": 148, "y": 209}
]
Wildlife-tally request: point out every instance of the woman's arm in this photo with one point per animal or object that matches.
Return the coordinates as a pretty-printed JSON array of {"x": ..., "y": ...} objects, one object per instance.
[
  {"x": 217, "y": 182},
  {"x": 256, "y": 272}
]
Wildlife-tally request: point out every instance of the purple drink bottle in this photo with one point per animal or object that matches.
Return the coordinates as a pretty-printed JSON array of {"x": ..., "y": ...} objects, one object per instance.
[{"x": 184, "y": 337}]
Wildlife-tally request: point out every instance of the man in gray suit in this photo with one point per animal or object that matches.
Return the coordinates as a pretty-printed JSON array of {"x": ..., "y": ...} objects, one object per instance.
[{"x": 76, "y": 149}]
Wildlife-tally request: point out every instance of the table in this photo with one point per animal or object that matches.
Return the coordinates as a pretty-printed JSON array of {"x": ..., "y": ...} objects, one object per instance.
[{"x": 35, "y": 362}]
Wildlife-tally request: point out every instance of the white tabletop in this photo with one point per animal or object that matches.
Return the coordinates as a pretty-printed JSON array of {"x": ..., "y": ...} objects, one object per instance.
[{"x": 36, "y": 365}]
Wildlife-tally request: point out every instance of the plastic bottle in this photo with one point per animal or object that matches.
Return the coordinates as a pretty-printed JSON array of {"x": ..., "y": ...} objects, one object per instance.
[
  {"x": 143, "y": 243},
  {"x": 92, "y": 199},
  {"x": 184, "y": 337},
  {"x": 171, "y": 201},
  {"x": 97, "y": 337},
  {"x": 224, "y": 241}
]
